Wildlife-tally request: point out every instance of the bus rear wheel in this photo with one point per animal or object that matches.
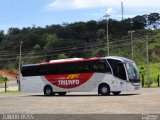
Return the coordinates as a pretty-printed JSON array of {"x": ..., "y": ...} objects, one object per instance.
[
  {"x": 62, "y": 93},
  {"x": 116, "y": 93},
  {"x": 104, "y": 89},
  {"x": 48, "y": 91}
]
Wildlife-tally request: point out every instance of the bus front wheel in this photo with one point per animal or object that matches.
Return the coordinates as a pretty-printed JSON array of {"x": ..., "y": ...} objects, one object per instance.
[
  {"x": 48, "y": 90},
  {"x": 104, "y": 89}
]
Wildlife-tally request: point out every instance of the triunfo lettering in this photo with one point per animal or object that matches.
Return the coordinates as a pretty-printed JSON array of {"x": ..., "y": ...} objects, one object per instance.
[{"x": 68, "y": 82}]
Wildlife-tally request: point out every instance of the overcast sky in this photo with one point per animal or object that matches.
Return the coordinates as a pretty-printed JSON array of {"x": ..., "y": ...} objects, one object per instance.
[{"x": 24, "y": 13}]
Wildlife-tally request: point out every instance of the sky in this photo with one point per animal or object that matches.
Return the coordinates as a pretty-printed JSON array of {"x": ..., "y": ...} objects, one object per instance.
[{"x": 26, "y": 13}]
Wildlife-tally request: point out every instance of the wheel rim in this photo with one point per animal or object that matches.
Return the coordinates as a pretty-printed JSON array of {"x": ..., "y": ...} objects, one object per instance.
[
  {"x": 48, "y": 91},
  {"x": 104, "y": 89}
]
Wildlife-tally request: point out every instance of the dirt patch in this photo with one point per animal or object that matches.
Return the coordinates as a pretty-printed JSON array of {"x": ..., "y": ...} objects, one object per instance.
[{"x": 4, "y": 72}]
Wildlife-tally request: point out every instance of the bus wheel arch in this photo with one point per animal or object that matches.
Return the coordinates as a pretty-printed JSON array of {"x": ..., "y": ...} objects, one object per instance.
[
  {"x": 104, "y": 89},
  {"x": 48, "y": 90}
]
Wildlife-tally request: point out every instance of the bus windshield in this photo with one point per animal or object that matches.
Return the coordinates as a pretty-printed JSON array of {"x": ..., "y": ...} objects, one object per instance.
[{"x": 132, "y": 71}]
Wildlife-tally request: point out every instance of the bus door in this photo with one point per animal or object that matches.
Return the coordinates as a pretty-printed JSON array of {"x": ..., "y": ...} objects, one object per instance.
[{"x": 120, "y": 73}]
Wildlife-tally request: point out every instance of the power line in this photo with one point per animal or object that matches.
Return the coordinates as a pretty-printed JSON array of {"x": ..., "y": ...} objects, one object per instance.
[
  {"x": 92, "y": 45},
  {"x": 65, "y": 48},
  {"x": 55, "y": 54},
  {"x": 113, "y": 40}
]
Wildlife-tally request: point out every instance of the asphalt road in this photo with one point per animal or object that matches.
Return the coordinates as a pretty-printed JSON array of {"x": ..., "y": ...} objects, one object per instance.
[{"x": 147, "y": 101}]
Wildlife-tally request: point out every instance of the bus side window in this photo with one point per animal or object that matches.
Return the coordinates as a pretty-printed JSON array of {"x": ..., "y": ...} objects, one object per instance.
[
  {"x": 118, "y": 68},
  {"x": 101, "y": 67},
  {"x": 68, "y": 68},
  {"x": 23, "y": 71},
  {"x": 83, "y": 67},
  {"x": 120, "y": 71},
  {"x": 28, "y": 71},
  {"x": 36, "y": 71},
  {"x": 40, "y": 70},
  {"x": 53, "y": 69}
]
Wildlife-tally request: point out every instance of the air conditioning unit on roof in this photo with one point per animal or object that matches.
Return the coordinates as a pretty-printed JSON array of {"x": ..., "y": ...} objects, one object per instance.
[{"x": 64, "y": 60}]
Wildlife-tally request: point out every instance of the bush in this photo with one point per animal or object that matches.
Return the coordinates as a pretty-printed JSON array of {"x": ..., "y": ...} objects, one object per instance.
[{"x": 3, "y": 79}]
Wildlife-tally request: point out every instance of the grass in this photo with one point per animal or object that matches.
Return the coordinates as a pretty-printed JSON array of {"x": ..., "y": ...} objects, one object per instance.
[
  {"x": 153, "y": 85},
  {"x": 154, "y": 72},
  {"x": 10, "y": 92}
]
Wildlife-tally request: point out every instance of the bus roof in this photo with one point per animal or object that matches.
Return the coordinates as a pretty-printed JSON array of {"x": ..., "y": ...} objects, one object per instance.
[
  {"x": 70, "y": 60},
  {"x": 122, "y": 59}
]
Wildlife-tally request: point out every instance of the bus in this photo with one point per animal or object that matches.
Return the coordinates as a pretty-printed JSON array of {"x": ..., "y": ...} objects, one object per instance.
[{"x": 103, "y": 75}]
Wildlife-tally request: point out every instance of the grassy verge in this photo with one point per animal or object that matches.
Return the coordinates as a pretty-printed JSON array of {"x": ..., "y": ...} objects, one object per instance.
[
  {"x": 154, "y": 72},
  {"x": 10, "y": 92}
]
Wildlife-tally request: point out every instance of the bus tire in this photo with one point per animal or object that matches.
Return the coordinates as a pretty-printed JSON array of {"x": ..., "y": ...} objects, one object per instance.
[
  {"x": 62, "y": 93},
  {"x": 116, "y": 93},
  {"x": 48, "y": 91},
  {"x": 104, "y": 89}
]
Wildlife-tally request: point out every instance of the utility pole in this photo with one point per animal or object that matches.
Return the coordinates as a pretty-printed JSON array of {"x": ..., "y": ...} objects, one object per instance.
[
  {"x": 107, "y": 33},
  {"x": 122, "y": 9},
  {"x": 131, "y": 32},
  {"x": 148, "y": 66},
  {"x": 20, "y": 58}
]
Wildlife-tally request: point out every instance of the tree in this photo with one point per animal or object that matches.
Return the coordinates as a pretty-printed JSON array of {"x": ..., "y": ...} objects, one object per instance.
[
  {"x": 154, "y": 19},
  {"x": 100, "y": 52},
  {"x": 127, "y": 24},
  {"x": 50, "y": 40},
  {"x": 78, "y": 39},
  {"x": 101, "y": 33},
  {"x": 91, "y": 25},
  {"x": 37, "y": 47},
  {"x": 1, "y": 36},
  {"x": 139, "y": 22},
  {"x": 62, "y": 56},
  {"x": 13, "y": 31}
]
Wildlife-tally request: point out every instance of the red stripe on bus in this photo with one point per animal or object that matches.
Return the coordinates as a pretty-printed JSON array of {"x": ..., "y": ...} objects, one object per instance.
[{"x": 69, "y": 80}]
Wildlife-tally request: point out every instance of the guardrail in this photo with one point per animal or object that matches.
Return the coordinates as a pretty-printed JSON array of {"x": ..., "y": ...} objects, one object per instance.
[
  {"x": 142, "y": 80},
  {"x": 157, "y": 80},
  {"x": 5, "y": 84}
]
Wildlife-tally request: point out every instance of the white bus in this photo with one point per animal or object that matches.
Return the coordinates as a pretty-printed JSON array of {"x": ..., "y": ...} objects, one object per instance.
[{"x": 103, "y": 75}]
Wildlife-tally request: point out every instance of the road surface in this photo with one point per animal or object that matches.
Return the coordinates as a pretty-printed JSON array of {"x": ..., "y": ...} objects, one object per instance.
[{"x": 145, "y": 102}]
